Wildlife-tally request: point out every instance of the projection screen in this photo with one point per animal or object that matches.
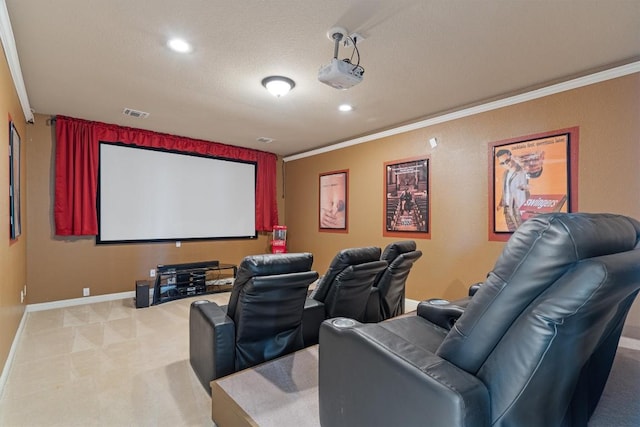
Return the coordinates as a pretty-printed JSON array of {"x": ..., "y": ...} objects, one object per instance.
[{"x": 155, "y": 195}]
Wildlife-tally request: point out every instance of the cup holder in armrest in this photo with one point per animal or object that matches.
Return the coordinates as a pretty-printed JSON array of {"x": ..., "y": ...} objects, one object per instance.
[
  {"x": 343, "y": 322},
  {"x": 440, "y": 312}
]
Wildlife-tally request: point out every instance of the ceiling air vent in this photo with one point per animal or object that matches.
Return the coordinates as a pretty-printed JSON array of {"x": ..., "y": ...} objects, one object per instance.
[
  {"x": 135, "y": 113},
  {"x": 265, "y": 140}
]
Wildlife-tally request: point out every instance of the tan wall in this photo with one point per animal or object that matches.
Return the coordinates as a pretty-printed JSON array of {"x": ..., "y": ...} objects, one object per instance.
[
  {"x": 459, "y": 253},
  {"x": 13, "y": 259},
  {"x": 60, "y": 267}
]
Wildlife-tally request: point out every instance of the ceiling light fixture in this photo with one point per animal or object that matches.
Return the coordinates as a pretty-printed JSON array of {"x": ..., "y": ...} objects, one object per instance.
[
  {"x": 345, "y": 107},
  {"x": 179, "y": 45},
  {"x": 277, "y": 85}
]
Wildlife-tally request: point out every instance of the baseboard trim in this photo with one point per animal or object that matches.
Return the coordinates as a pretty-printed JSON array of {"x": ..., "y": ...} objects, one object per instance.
[
  {"x": 630, "y": 343},
  {"x": 79, "y": 301},
  {"x": 410, "y": 304},
  {"x": 12, "y": 352}
]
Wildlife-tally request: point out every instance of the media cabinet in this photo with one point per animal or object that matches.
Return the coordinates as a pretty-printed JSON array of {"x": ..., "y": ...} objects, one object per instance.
[{"x": 175, "y": 281}]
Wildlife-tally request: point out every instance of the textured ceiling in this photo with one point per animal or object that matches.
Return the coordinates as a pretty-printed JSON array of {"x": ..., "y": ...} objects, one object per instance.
[{"x": 92, "y": 58}]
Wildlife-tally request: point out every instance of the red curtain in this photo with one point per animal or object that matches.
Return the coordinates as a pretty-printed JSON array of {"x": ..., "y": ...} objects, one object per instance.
[{"x": 75, "y": 211}]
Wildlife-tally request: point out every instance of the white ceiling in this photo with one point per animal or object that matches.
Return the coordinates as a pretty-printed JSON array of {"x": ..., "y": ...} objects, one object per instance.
[{"x": 92, "y": 58}]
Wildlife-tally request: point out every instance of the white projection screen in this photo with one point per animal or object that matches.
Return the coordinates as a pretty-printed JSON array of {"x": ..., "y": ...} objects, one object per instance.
[{"x": 155, "y": 195}]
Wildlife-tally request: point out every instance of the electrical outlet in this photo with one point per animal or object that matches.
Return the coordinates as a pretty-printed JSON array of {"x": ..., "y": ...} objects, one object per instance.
[
  {"x": 178, "y": 244},
  {"x": 21, "y": 297},
  {"x": 152, "y": 272},
  {"x": 85, "y": 292}
]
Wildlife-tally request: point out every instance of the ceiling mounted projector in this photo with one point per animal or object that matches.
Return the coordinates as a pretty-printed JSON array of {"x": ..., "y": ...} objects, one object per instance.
[{"x": 341, "y": 74}]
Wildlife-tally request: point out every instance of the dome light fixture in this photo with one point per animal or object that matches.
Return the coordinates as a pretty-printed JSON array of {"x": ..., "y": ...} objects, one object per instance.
[
  {"x": 278, "y": 85},
  {"x": 179, "y": 45}
]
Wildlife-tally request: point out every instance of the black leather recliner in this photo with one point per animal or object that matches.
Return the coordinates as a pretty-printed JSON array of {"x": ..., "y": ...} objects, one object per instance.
[
  {"x": 388, "y": 292},
  {"x": 343, "y": 290},
  {"x": 533, "y": 347},
  {"x": 262, "y": 321}
]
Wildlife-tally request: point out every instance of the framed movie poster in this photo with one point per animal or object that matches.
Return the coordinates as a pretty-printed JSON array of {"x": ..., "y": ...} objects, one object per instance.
[
  {"x": 332, "y": 215},
  {"x": 14, "y": 182},
  {"x": 406, "y": 207},
  {"x": 529, "y": 176}
]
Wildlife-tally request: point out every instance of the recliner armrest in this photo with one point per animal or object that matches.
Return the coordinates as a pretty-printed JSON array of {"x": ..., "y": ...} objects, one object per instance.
[
  {"x": 361, "y": 365},
  {"x": 312, "y": 318},
  {"x": 211, "y": 342},
  {"x": 442, "y": 312},
  {"x": 474, "y": 288}
]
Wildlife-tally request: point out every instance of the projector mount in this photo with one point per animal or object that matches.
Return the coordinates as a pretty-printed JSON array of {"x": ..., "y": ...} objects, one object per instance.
[
  {"x": 341, "y": 74},
  {"x": 336, "y": 35}
]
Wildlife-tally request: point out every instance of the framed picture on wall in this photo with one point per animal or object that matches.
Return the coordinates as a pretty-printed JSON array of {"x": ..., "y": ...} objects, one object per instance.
[
  {"x": 333, "y": 201},
  {"x": 406, "y": 206},
  {"x": 14, "y": 182},
  {"x": 529, "y": 176}
]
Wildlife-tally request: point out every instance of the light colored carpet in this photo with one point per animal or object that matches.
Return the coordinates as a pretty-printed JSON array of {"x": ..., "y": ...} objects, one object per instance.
[
  {"x": 110, "y": 364},
  {"x": 106, "y": 364},
  {"x": 619, "y": 405}
]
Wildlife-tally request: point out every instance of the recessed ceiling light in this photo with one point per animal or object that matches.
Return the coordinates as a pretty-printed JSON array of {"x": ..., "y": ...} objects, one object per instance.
[
  {"x": 179, "y": 45},
  {"x": 345, "y": 107}
]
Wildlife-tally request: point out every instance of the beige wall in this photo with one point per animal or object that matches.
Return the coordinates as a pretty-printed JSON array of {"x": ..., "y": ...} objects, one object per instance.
[
  {"x": 459, "y": 253},
  {"x": 13, "y": 259},
  {"x": 59, "y": 268}
]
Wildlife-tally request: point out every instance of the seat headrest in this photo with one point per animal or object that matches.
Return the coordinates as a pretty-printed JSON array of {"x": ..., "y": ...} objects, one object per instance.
[
  {"x": 394, "y": 249},
  {"x": 355, "y": 256},
  {"x": 559, "y": 239},
  {"x": 405, "y": 258},
  {"x": 270, "y": 264}
]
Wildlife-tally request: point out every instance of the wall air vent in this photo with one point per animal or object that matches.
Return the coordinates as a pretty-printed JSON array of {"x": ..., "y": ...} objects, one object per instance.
[{"x": 135, "y": 113}]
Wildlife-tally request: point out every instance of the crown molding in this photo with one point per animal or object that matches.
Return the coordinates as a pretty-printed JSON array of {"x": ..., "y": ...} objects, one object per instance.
[
  {"x": 11, "y": 53},
  {"x": 590, "y": 79}
]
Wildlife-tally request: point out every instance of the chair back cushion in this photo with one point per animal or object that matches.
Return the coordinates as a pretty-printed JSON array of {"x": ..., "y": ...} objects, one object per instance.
[
  {"x": 344, "y": 259},
  {"x": 555, "y": 302},
  {"x": 266, "y": 265},
  {"x": 268, "y": 306},
  {"x": 391, "y": 284},
  {"x": 540, "y": 251},
  {"x": 348, "y": 295},
  {"x": 392, "y": 251},
  {"x": 556, "y": 337}
]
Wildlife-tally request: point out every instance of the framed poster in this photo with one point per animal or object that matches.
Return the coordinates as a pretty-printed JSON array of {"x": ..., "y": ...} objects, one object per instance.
[
  {"x": 14, "y": 182},
  {"x": 333, "y": 195},
  {"x": 531, "y": 175},
  {"x": 406, "y": 207}
]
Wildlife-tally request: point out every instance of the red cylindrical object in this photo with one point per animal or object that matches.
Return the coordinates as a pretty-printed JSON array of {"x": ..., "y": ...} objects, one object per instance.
[{"x": 279, "y": 239}]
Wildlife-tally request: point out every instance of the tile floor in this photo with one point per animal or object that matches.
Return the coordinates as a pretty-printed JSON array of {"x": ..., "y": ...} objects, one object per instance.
[{"x": 106, "y": 364}]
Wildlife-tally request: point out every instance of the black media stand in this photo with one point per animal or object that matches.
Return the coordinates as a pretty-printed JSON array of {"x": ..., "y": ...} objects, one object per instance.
[{"x": 175, "y": 281}]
